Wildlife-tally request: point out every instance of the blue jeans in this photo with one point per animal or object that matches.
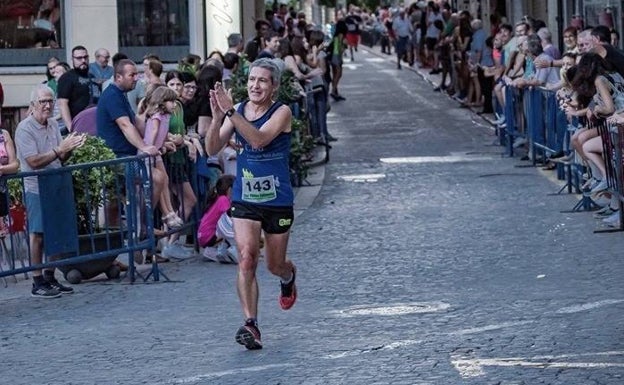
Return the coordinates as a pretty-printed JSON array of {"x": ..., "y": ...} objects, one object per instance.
[{"x": 317, "y": 105}]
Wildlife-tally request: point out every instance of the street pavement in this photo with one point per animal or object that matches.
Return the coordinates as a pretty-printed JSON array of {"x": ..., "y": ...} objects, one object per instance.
[{"x": 424, "y": 257}]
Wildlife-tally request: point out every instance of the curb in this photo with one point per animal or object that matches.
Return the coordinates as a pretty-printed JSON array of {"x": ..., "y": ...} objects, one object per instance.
[{"x": 306, "y": 194}]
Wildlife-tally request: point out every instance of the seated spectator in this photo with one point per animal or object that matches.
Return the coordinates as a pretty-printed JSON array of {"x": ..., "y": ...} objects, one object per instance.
[
  {"x": 219, "y": 203},
  {"x": 600, "y": 94}
]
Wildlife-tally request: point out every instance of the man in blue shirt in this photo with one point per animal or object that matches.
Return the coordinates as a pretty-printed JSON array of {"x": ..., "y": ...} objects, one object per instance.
[
  {"x": 116, "y": 122},
  {"x": 100, "y": 69}
]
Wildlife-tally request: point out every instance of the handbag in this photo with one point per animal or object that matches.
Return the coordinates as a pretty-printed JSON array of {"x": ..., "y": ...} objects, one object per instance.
[{"x": 4, "y": 203}]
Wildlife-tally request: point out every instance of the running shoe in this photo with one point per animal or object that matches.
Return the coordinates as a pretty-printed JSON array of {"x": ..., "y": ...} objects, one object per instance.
[
  {"x": 249, "y": 336},
  {"x": 44, "y": 290},
  {"x": 604, "y": 212},
  {"x": 288, "y": 293},
  {"x": 59, "y": 286}
]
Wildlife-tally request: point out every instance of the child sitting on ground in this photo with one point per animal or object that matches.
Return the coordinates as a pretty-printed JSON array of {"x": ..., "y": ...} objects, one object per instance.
[{"x": 215, "y": 232}]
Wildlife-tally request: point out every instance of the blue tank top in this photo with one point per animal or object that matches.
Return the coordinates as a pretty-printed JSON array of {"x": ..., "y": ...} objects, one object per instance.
[{"x": 263, "y": 175}]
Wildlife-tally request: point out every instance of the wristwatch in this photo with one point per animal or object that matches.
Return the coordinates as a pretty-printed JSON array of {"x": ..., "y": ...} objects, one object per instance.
[{"x": 230, "y": 112}]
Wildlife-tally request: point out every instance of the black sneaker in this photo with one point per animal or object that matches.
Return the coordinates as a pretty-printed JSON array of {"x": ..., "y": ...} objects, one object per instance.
[
  {"x": 249, "y": 336},
  {"x": 59, "y": 286},
  {"x": 45, "y": 290}
]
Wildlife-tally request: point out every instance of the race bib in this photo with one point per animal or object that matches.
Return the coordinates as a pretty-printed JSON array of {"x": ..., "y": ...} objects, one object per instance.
[{"x": 257, "y": 190}]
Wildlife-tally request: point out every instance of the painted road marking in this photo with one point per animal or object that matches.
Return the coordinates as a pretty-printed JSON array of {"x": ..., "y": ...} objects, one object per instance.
[
  {"x": 394, "y": 310},
  {"x": 374, "y": 60},
  {"x": 436, "y": 159},
  {"x": 351, "y": 66},
  {"x": 474, "y": 367},
  {"x": 404, "y": 343},
  {"x": 587, "y": 306},
  {"x": 488, "y": 328},
  {"x": 391, "y": 346},
  {"x": 223, "y": 373},
  {"x": 362, "y": 177}
]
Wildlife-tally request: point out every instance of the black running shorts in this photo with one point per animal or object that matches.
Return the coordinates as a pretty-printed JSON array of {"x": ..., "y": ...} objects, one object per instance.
[{"x": 274, "y": 219}]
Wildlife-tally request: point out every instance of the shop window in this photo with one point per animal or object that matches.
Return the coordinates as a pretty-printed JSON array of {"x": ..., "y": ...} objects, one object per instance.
[
  {"x": 156, "y": 27},
  {"x": 30, "y": 31}
]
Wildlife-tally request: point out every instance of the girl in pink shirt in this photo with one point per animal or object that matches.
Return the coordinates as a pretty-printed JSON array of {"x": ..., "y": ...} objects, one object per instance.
[
  {"x": 220, "y": 204},
  {"x": 158, "y": 106}
]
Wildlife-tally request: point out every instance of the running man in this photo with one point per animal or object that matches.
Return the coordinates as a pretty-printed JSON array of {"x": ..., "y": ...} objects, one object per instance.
[{"x": 262, "y": 197}]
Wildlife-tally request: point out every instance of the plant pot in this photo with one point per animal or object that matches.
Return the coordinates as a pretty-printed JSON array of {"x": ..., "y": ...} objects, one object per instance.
[{"x": 75, "y": 273}]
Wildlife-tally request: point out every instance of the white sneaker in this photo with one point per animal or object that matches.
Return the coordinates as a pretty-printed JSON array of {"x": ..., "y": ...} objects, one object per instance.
[
  {"x": 209, "y": 254},
  {"x": 612, "y": 220},
  {"x": 600, "y": 186},
  {"x": 499, "y": 121},
  {"x": 518, "y": 142},
  {"x": 175, "y": 251}
]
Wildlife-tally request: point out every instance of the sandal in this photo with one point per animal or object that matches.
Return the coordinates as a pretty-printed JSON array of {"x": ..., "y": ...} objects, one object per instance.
[
  {"x": 172, "y": 220},
  {"x": 155, "y": 258}
]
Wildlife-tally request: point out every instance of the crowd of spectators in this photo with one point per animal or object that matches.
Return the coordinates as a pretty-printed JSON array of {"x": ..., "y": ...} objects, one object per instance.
[
  {"x": 477, "y": 67},
  {"x": 143, "y": 108}
]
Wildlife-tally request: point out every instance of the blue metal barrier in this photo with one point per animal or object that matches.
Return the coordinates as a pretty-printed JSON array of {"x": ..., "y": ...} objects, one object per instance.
[
  {"x": 535, "y": 114},
  {"x": 122, "y": 184},
  {"x": 514, "y": 117}
]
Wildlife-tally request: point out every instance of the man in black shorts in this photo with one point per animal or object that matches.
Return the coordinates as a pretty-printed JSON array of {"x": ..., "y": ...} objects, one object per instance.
[{"x": 262, "y": 196}]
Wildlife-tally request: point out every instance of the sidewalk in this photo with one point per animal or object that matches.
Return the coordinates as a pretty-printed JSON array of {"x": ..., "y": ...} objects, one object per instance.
[
  {"x": 17, "y": 287},
  {"x": 306, "y": 194}
]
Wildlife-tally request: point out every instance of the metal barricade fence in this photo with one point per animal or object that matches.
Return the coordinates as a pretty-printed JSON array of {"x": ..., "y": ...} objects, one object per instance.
[
  {"x": 617, "y": 135},
  {"x": 514, "y": 116},
  {"x": 546, "y": 123},
  {"x": 91, "y": 213},
  {"x": 534, "y": 114},
  {"x": 612, "y": 147}
]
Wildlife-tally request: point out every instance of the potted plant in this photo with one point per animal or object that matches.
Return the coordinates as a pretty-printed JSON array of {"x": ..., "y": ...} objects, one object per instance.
[
  {"x": 93, "y": 186},
  {"x": 94, "y": 194}
]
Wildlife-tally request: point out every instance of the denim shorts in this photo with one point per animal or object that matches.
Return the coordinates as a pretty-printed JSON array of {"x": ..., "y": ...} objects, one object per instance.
[{"x": 35, "y": 217}]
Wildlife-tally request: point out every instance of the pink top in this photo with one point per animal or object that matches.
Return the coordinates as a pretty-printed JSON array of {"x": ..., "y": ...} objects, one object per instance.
[
  {"x": 208, "y": 224},
  {"x": 4, "y": 154},
  {"x": 163, "y": 129}
]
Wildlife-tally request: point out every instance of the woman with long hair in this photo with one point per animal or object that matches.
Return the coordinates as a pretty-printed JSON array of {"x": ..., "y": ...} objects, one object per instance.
[{"x": 598, "y": 90}]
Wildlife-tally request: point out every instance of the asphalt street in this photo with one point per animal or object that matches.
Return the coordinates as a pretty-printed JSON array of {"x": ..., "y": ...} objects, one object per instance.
[{"x": 423, "y": 255}]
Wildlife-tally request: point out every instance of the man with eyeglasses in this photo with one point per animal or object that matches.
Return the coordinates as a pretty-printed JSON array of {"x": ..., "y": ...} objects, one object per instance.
[
  {"x": 100, "y": 69},
  {"x": 40, "y": 147},
  {"x": 77, "y": 89}
]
